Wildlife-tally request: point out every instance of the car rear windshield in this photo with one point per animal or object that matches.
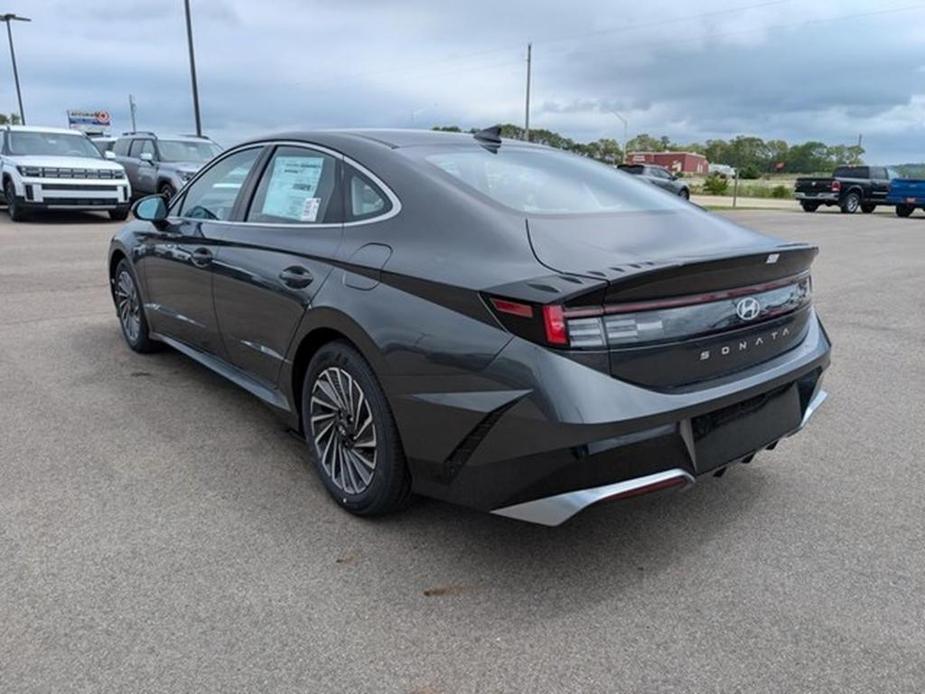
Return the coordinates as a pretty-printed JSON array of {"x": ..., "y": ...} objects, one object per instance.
[
  {"x": 53, "y": 144},
  {"x": 546, "y": 181},
  {"x": 187, "y": 150}
]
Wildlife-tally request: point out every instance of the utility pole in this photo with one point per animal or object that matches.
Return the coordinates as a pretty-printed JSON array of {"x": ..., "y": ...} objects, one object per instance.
[
  {"x": 131, "y": 109},
  {"x": 625, "y": 131},
  {"x": 527, "y": 114},
  {"x": 192, "y": 68},
  {"x": 9, "y": 18}
]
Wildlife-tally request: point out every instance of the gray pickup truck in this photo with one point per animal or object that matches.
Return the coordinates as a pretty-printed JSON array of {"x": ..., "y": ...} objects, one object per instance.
[{"x": 162, "y": 164}]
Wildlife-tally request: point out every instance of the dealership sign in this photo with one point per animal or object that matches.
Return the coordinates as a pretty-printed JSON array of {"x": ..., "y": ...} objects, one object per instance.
[{"x": 89, "y": 121}]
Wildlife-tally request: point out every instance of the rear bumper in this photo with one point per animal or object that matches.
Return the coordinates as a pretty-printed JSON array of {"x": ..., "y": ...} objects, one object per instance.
[
  {"x": 561, "y": 436},
  {"x": 816, "y": 197}
]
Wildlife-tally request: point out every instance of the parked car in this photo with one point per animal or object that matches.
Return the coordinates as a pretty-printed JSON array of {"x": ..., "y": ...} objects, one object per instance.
[
  {"x": 104, "y": 143},
  {"x": 852, "y": 188},
  {"x": 659, "y": 176},
  {"x": 908, "y": 194},
  {"x": 57, "y": 169},
  {"x": 492, "y": 323},
  {"x": 162, "y": 164}
]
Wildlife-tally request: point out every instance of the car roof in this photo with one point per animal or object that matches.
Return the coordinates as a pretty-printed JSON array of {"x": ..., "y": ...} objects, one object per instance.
[
  {"x": 393, "y": 138},
  {"x": 41, "y": 129}
]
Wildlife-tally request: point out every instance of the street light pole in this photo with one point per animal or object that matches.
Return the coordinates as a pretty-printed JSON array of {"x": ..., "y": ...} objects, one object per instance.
[
  {"x": 8, "y": 18},
  {"x": 625, "y": 132},
  {"x": 192, "y": 68}
]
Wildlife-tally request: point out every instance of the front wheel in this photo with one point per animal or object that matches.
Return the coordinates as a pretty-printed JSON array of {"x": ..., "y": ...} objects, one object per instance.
[
  {"x": 809, "y": 206},
  {"x": 351, "y": 434},
  {"x": 130, "y": 309},
  {"x": 685, "y": 193},
  {"x": 904, "y": 210},
  {"x": 167, "y": 192},
  {"x": 850, "y": 203},
  {"x": 15, "y": 209}
]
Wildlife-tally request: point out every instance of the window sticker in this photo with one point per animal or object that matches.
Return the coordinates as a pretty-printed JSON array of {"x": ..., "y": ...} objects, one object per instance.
[{"x": 292, "y": 187}]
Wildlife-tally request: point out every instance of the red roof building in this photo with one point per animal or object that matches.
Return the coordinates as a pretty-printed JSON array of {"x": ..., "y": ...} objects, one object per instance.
[{"x": 677, "y": 162}]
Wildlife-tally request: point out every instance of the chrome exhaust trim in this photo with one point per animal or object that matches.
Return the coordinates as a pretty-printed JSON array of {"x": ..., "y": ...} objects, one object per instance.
[
  {"x": 555, "y": 510},
  {"x": 814, "y": 404}
]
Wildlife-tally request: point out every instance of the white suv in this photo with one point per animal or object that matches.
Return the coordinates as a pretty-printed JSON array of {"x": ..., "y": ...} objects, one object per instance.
[{"x": 58, "y": 169}]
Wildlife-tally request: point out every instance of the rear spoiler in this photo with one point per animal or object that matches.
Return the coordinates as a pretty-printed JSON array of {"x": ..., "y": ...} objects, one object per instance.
[{"x": 660, "y": 279}]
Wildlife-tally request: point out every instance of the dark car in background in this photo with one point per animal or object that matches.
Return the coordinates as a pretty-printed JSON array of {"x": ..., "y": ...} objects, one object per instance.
[
  {"x": 659, "y": 176},
  {"x": 851, "y": 188},
  {"x": 488, "y": 322},
  {"x": 162, "y": 164}
]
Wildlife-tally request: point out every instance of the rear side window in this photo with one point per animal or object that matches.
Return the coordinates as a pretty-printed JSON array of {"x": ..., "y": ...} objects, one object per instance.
[
  {"x": 298, "y": 186},
  {"x": 213, "y": 195},
  {"x": 852, "y": 172},
  {"x": 365, "y": 199}
]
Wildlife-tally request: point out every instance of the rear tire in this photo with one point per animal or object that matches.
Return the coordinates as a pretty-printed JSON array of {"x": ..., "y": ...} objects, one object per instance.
[
  {"x": 809, "y": 206},
  {"x": 131, "y": 311},
  {"x": 16, "y": 211},
  {"x": 867, "y": 208},
  {"x": 850, "y": 203},
  {"x": 352, "y": 438},
  {"x": 904, "y": 210}
]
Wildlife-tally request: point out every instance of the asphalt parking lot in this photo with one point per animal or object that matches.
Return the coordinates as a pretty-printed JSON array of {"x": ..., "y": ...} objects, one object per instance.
[{"x": 159, "y": 531}]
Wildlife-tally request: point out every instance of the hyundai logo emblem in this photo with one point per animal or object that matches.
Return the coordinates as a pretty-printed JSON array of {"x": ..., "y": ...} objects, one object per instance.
[{"x": 748, "y": 308}]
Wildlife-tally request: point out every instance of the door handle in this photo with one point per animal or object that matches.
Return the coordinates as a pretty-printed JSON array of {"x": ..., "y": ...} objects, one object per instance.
[
  {"x": 296, "y": 277},
  {"x": 202, "y": 257}
]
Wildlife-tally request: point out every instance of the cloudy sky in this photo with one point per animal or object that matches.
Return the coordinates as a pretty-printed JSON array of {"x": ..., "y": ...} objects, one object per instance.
[{"x": 791, "y": 69}]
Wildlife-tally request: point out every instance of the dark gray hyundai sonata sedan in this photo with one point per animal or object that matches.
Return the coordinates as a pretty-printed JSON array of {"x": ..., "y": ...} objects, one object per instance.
[{"x": 484, "y": 321}]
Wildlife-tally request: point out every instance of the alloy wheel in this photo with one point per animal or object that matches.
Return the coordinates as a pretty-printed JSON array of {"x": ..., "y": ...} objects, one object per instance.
[
  {"x": 343, "y": 430},
  {"x": 129, "y": 306}
]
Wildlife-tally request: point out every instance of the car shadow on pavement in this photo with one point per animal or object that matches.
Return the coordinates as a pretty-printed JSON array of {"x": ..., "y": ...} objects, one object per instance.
[
  {"x": 458, "y": 553},
  {"x": 58, "y": 217}
]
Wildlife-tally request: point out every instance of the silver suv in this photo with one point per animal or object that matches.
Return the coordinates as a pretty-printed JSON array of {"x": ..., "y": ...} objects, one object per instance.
[{"x": 162, "y": 164}]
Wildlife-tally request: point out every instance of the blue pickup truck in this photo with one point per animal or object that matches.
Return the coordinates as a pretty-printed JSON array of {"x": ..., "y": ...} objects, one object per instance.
[{"x": 908, "y": 194}]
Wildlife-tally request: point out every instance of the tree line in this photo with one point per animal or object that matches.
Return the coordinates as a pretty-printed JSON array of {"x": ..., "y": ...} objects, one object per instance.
[{"x": 752, "y": 156}]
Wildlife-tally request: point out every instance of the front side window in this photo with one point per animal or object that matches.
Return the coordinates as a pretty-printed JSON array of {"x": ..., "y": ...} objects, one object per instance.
[
  {"x": 544, "y": 181},
  {"x": 365, "y": 200},
  {"x": 299, "y": 186},
  {"x": 147, "y": 147},
  {"x": 121, "y": 147},
  {"x": 212, "y": 195},
  {"x": 193, "y": 151},
  {"x": 53, "y": 144}
]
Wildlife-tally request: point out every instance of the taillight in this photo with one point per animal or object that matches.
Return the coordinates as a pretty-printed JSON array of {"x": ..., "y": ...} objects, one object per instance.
[
  {"x": 647, "y": 322},
  {"x": 554, "y": 322},
  {"x": 836, "y": 186}
]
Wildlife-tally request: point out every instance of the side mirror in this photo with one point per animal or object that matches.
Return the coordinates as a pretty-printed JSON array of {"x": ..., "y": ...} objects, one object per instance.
[
  {"x": 109, "y": 154},
  {"x": 151, "y": 209},
  {"x": 146, "y": 156}
]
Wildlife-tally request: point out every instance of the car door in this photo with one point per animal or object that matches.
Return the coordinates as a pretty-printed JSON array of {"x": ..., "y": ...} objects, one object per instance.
[
  {"x": 177, "y": 259},
  {"x": 146, "y": 168},
  {"x": 277, "y": 257},
  {"x": 123, "y": 150},
  {"x": 879, "y": 184}
]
